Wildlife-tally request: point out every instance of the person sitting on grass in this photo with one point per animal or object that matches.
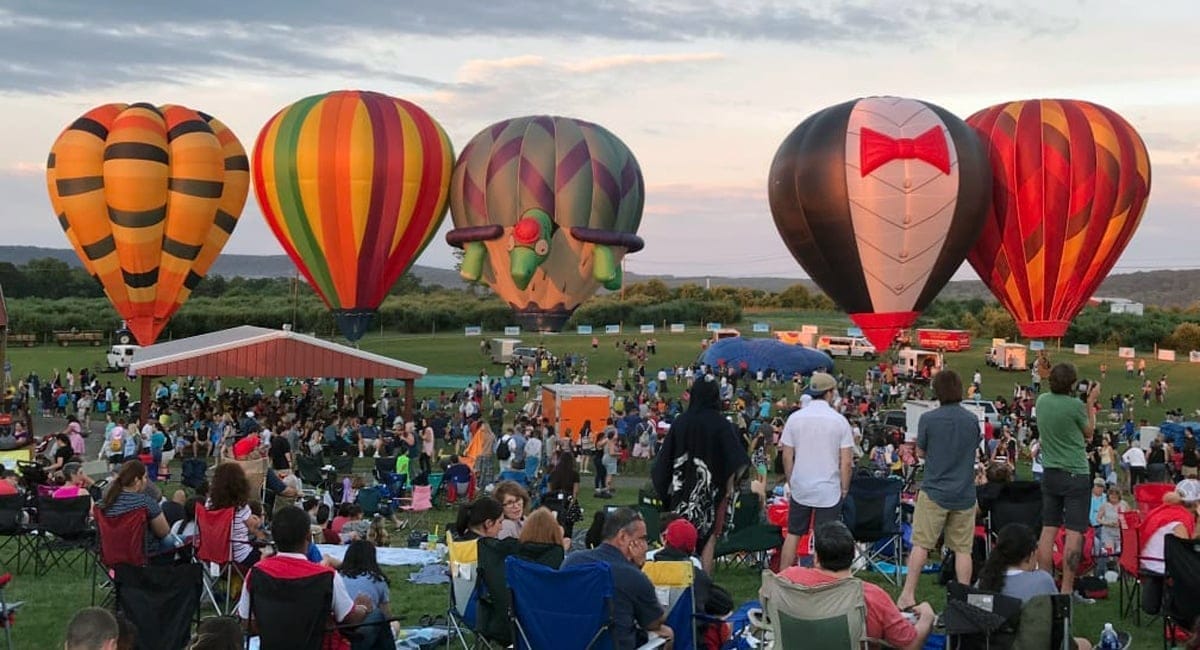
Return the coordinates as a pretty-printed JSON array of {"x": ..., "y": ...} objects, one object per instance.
[
  {"x": 1012, "y": 569},
  {"x": 362, "y": 576},
  {"x": 458, "y": 475}
]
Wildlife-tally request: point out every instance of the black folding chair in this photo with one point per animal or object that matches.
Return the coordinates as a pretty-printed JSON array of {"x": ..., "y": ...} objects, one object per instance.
[
  {"x": 977, "y": 620},
  {"x": 294, "y": 613},
  {"x": 1014, "y": 502},
  {"x": 161, "y": 599},
  {"x": 64, "y": 535},
  {"x": 873, "y": 514},
  {"x": 15, "y": 540},
  {"x": 1181, "y": 591}
]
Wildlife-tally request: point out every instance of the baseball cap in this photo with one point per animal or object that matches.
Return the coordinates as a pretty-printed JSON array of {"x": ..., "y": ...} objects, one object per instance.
[
  {"x": 1098, "y": 482},
  {"x": 681, "y": 534},
  {"x": 820, "y": 383},
  {"x": 1189, "y": 490}
]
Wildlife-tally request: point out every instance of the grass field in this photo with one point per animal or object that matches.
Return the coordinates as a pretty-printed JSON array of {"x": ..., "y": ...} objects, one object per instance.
[{"x": 51, "y": 599}]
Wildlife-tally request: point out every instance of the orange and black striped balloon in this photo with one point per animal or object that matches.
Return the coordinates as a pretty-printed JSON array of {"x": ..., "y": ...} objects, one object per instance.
[
  {"x": 1070, "y": 183},
  {"x": 147, "y": 196}
]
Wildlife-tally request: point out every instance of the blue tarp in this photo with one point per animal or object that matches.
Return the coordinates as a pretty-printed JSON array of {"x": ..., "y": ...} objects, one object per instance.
[
  {"x": 767, "y": 354},
  {"x": 1173, "y": 431}
]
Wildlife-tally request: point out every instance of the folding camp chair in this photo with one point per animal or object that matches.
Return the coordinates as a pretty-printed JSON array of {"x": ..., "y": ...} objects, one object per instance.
[
  {"x": 436, "y": 485},
  {"x": 873, "y": 514},
  {"x": 674, "y": 583},
  {"x": 515, "y": 475},
  {"x": 1045, "y": 623},
  {"x": 568, "y": 608},
  {"x": 15, "y": 539},
  {"x": 418, "y": 507},
  {"x": 1150, "y": 495},
  {"x": 463, "y": 560},
  {"x": 977, "y": 620},
  {"x": 64, "y": 536},
  {"x": 373, "y": 500},
  {"x": 164, "y": 599},
  {"x": 7, "y": 611},
  {"x": 1181, "y": 608},
  {"x": 256, "y": 474},
  {"x": 1129, "y": 587},
  {"x": 122, "y": 541},
  {"x": 343, "y": 465},
  {"x": 747, "y": 537},
  {"x": 493, "y": 621},
  {"x": 194, "y": 472},
  {"x": 214, "y": 547},
  {"x": 835, "y": 613},
  {"x": 1015, "y": 502},
  {"x": 308, "y": 468},
  {"x": 294, "y": 613}
]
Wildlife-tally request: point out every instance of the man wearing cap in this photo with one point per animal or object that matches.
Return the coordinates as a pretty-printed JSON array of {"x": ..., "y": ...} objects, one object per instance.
[
  {"x": 679, "y": 544},
  {"x": 819, "y": 478},
  {"x": 1175, "y": 516}
]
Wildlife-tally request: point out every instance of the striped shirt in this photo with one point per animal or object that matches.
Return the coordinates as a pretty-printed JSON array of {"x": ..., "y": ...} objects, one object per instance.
[{"x": 128, "y": 502}]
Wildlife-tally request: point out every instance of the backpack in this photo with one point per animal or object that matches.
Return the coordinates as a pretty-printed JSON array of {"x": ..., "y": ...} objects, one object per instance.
[
  {"x": 503, "y": 451},
  {"x": 118, "y": 443}
]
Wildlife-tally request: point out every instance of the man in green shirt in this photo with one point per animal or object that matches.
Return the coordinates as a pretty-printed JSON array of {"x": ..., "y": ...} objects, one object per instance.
[{"x": 1065, "y": 424}]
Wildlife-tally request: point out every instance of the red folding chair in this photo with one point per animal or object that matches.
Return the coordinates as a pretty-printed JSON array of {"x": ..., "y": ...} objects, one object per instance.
[
  {"x": 214, "y": 547},
  {"x": 1130, "y": 563},
  {"x": 1150, "y": 495},
  {"x": 122, "y": 541},
  {"x": 8, "y": 611}
]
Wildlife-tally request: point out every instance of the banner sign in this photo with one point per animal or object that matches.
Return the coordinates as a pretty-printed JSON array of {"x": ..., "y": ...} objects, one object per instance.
[
  {"x": 1194, "y": 356},
  {"x": 712, "y": 327},
  {"x": 678, "y": 328},
  {"x": 612, "y": 329},
  {"x": 1126, "y": 353},
  {"x": 1166, "y": 355},
  {"x": 1037, "y": 345},
  {"x": 474, "y": 330},
  {"x": 583, "y": 329},
  {"x": 512, "y": 330},
  {"x": 808, "y": 329},
  {"x": 1083, "y": 348},
  {"x": 646, "y": 329},
  {"x": 853, "y": 331},
  {"x": 762, "y": 327}
]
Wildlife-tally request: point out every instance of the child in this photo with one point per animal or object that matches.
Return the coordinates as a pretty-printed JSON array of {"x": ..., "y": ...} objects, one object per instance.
[{"x": 1109, "y": 518}]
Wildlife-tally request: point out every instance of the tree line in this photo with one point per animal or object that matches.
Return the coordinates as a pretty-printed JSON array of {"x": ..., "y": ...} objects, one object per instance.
[{"x": 48, "y": 295}]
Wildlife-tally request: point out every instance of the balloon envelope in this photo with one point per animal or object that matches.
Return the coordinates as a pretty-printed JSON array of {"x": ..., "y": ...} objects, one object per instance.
[
  {"x": 785, "y": 359},
  {"x": 879, "y": 200},
  {"x": 546, "y": 208},
  {"x": 147, "y": 196},
  {"x": 353, "y": 184},
  {"x": 1070, "y": 183}
]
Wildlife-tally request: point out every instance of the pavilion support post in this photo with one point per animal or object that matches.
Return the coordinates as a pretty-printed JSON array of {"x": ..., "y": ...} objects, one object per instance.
[
  {"x": 409, "y": 398},
  {"x": 147, "y": 395},
  {"x": 368, "y": 393},
  {"x": 341, "y": 394}
]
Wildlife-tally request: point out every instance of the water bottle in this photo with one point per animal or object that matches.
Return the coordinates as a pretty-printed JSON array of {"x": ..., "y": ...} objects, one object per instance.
[{"x": 1108, "y": 638}]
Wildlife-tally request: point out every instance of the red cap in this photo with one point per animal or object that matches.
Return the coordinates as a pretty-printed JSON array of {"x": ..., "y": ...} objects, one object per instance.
[{"x": 681, "y": 535}]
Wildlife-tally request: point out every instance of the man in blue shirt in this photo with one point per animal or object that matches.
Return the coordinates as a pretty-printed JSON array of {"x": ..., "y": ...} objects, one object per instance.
[{"x": 635, "y": 604}]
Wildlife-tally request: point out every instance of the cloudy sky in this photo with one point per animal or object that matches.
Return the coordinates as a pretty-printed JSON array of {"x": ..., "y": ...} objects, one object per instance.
[{"x": 702, "y": 91}]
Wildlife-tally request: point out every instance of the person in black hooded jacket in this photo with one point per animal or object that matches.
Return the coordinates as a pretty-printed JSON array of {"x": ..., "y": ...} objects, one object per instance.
[{"x": 698, "y": 464}]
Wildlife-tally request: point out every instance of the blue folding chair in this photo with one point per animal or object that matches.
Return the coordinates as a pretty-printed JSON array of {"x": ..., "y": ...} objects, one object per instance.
[
  {"x": 566, "y": 608},
  {"x": 517, "y": 475}
]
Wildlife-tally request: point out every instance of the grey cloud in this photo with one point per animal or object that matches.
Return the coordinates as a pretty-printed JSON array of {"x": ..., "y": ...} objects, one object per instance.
[{"x": 69, "y": 44}]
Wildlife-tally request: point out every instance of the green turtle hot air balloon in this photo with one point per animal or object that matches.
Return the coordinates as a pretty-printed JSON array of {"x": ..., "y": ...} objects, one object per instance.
[{"x": 544, "y": 209}]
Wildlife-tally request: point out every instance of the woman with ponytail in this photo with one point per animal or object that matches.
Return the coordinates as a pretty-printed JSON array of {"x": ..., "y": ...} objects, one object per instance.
[
  {"x": 126, "y": 494},
  {"x": 480, "y": 518}
]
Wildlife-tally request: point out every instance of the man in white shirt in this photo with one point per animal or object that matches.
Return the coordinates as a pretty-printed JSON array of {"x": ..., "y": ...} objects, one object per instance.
[
  {"x": 819, "y": 478},
  {"x": 1135, "y": 458}
]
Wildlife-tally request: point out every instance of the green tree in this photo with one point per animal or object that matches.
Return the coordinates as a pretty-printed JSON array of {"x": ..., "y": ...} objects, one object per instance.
[{"x": 1185, "y": 337}]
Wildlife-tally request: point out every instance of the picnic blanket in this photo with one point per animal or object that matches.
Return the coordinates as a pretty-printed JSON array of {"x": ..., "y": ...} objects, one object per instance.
[{"x": 388, "y": 556}]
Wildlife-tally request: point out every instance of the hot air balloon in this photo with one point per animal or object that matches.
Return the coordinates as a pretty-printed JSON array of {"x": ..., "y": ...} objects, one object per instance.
[
  {"x": 1070, "y": 182},
  {"x": 353, "y": 184},
  {"x": 147, "y": 196},
  {"x": 879, "y": 199},
  {"x": 545, "y": 208}
]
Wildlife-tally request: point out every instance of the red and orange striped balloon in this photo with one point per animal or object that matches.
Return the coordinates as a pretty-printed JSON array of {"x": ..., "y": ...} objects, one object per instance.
[
  {"x": 147, "y": 196},
  {"x": 1070, "y": 183},
  {"x": 353, "y": 184}
]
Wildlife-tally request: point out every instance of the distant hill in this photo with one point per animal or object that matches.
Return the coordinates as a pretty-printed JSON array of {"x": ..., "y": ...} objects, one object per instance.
[{"x": 1160, "y": 288}]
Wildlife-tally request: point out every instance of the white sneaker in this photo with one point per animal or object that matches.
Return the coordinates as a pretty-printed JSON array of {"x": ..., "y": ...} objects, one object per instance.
[{"x": 1079, "y": 599}]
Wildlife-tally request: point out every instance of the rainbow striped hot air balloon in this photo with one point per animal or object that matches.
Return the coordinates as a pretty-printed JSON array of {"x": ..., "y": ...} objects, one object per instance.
[
  {"x": 353, "y": 184},
  {"x": 147, "y": 196}
]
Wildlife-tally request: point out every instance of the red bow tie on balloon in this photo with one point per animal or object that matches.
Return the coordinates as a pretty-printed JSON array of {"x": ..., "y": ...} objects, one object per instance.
[{"x": 877, "y": 149}]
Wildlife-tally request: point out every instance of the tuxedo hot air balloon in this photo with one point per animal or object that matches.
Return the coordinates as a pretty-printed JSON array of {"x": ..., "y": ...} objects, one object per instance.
[
  {"x": 879, "y": 199},
  {"x": 1070, "y": 184},
  {"x": 545, "y": 208},
  {"x": 147, "y": 196},
  {"x": 353, "y": 184}
]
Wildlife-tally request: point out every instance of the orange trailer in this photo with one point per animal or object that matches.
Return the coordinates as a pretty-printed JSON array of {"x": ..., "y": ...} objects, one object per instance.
[{"x": 567, "y": 406}]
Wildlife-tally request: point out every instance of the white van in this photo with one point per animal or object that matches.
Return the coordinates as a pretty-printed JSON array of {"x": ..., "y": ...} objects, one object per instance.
[
  {"x": 120, "y": 356},
  {"x": 846, "y": 346},
  {"x": 913, "y": 362},
  {"x": 502, "y": 349}
]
